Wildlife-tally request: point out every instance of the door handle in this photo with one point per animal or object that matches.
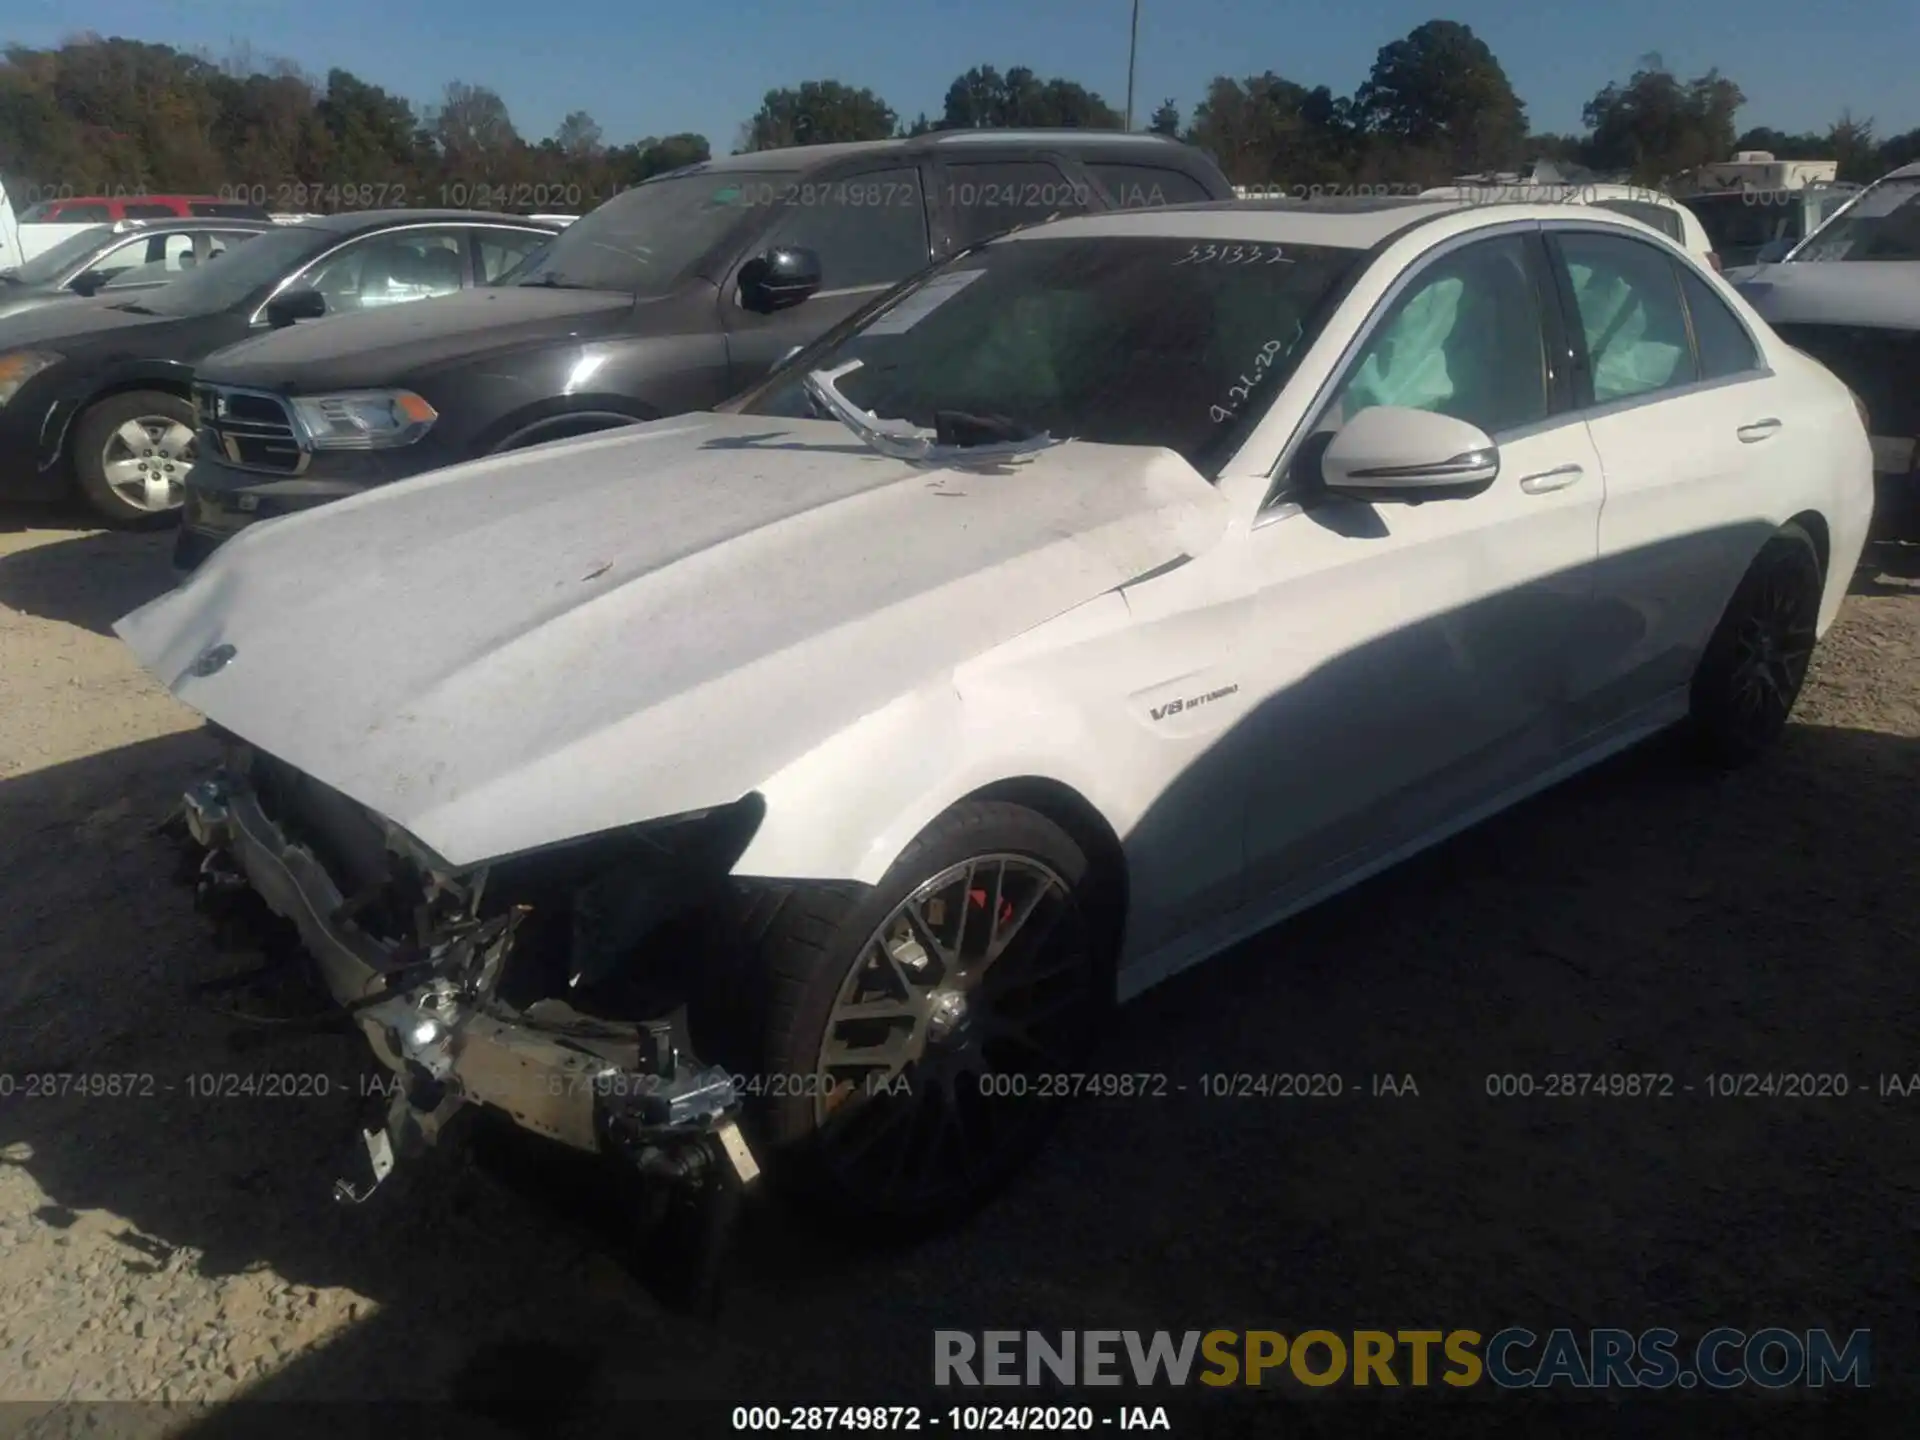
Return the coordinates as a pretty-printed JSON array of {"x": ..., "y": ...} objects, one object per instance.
[
  {"x": 1557, "y": 478},
  {"x": 1759, "y": 430}
]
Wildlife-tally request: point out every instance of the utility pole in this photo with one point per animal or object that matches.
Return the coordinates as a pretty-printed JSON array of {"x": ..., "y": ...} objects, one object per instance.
[{"x": 1133, "y": 50}]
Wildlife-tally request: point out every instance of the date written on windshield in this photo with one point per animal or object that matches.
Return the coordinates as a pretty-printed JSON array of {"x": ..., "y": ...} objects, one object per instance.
[
  {"x": 1243, "y": 384},
  {"x": 1234, "y": 255}
]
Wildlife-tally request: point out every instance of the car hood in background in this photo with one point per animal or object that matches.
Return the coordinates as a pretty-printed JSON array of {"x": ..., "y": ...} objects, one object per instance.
[
  {"x": 549, "y": 643},
  {"x": 1883, "y": 294},
  {"x": 18, "y": 299},
  {"x": 93, "y": 318},
  {"x": 396, "y": 342}
]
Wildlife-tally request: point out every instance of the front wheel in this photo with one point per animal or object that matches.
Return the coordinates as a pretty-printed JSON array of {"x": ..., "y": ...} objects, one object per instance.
[
  {"x": 132, "y": 454},
  {"x": 1756, "y": 660},
  {"x": 916, "y": 1038}
]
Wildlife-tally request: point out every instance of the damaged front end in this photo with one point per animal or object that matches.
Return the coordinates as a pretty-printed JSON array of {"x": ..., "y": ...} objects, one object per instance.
[{"x": 552, "y": 988}]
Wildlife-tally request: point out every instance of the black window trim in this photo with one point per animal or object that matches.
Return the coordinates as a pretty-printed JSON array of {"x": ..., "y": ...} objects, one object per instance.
[
  {"x": 751, "y": 241},
  {"x": 1591, "y": 409},
  {"x": 1279, "y": 501}
]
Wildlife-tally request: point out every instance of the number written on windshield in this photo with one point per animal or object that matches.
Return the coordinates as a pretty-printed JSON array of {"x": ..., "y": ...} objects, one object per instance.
[{"x": 1234, "y": 255}]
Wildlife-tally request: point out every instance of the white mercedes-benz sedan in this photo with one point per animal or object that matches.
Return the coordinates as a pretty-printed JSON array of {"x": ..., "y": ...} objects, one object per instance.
[{"x": 798, "y": 785}]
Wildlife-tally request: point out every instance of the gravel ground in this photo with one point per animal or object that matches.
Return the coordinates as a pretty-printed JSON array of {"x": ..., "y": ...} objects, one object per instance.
[{"x": 171, "y": 1246}]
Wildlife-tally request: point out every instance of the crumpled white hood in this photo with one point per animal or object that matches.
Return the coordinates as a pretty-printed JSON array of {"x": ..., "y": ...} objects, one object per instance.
[{"x": 547, "y": 644}]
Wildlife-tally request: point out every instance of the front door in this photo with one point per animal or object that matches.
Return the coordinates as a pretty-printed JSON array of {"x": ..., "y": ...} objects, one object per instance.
[
  {"x": 1412, "y": 657},
  {"x": 869, "y": 230}
]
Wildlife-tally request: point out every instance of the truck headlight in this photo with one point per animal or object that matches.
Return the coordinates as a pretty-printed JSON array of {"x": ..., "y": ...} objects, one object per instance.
[
  {"x": 19, "y": 366},
  {"x": 363, "y": 419}
]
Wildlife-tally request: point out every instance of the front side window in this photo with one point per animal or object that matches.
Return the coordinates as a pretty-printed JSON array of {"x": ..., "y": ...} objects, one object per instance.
[
  {"x": 87, "y": 214},
  {"x": 987, "y": 197},
  {"x": 1631, "y": 319},
  {"x": 647, "y": 239},
  {"x": 1882, "y": 224},
  {"x": 147, "y": 210},
  {"x": 501, "y": 250},
  {"x": 391, "y": 269},
  {"x": 1464, "y": 340},
  {"x": 1114, "y": 340},
  {"x": 1723, "y": 342},
  {"x": 867, "y": 229},
  {"x": 244, "y": 276}
]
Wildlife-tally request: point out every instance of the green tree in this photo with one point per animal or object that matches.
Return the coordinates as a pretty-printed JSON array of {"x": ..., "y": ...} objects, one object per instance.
[
  {"x": 983, "y": 98},
  {"x": 1440, "y": 89},
  {"x": 1658, "y": 125},
  {"x": 1166, "y": 119},
  {"x": 818, "y": 112}
]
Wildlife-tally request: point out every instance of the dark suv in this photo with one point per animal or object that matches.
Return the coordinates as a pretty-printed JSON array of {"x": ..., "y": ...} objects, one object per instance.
[{"x": 670, "y": 297}]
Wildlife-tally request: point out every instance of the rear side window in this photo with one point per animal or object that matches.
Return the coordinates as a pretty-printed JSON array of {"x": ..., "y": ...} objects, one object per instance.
[
  {"x": 33, "y": 214},
  {"x": 867, "y": 229},
  {"x": 986, "y": 197},
  {"x": 147, "y": 210},
  {"x": 1135, "y": 187},
  {"x": 1666, "y": 221},
  {"x": 1724, "y": 345},
  {"x": 1631, "y": 316}
]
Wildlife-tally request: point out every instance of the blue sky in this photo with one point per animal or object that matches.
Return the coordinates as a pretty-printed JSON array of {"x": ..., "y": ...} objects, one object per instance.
[{"x": 654, "y": 69}]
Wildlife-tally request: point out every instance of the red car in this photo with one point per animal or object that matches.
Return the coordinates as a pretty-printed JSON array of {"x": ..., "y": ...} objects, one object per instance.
[{"x": 97, "y": 209}]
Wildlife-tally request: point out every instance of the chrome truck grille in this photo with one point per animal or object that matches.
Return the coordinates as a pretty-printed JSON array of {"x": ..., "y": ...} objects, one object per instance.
[{"x": 249, "y": 429}]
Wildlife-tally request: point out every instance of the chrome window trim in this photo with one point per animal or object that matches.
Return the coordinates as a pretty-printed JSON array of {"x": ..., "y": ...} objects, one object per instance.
[
  {"x": 1357, "y": 342},
  {"x": 384, "y": 231}
]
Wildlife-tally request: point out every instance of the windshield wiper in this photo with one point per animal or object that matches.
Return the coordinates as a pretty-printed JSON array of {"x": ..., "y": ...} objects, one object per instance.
[{"x": 953, "y": 441}]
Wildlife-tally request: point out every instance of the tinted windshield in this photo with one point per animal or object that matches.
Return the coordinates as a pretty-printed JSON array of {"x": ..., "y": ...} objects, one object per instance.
[
  {"x": 1883, "y": 224},
  {"x": 49, "y": 265},
  {"x": 260, "y": 262},
  {"x": 1115, "y": 340},
  {"x": 647, "y": 239}
]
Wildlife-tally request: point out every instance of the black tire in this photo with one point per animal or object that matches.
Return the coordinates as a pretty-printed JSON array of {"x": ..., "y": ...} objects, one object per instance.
[
  {"x": 96, "y": 430},
  {"x": 803, "y": 945},
  {"x": 1756, "y": 660}
]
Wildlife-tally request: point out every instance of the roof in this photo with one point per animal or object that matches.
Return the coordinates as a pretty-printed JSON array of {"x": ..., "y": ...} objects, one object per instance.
[
  {"x": 805, "y": 157},
  {"x": 351, "y": 220},
  {"x": 1524, "y": 193},
  {"x": 1349, "y": 223},
  {"x": 1905, "y": 172},
  {"x": 1352, "y": 224},
  {"x": 157, "y": 225}
]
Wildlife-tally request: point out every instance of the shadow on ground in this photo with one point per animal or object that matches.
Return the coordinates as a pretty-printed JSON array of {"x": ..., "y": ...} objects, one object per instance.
[
  {"x": 91, "y": 578},
  {"x": 1649, "y": 918}
]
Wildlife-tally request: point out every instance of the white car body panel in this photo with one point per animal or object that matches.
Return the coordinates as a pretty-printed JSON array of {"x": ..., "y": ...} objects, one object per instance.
[{"x": 597, "y": 632}]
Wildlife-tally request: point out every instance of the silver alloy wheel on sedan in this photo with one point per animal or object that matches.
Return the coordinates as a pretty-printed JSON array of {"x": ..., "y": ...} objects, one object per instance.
[
  {"x": 146, "y": 461},
  {"x": 944, "y": 1022}
]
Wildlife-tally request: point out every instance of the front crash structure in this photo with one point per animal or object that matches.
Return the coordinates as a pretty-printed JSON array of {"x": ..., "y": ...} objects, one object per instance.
[{"x": 460, "y": 984}]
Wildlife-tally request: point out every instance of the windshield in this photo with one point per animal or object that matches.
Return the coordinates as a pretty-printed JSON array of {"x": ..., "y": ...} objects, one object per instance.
[
  {"x": 51, "y": 264},
  {"x": 1883, "y": 224},
  {"x": 256, "y": 265},
  {"x": 646, "y": 240},
  {"x": 1118, "y": 340}
]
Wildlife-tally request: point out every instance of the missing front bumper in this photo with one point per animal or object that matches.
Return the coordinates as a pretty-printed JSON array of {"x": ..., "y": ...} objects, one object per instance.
[{"x": 632, "y": 1090}]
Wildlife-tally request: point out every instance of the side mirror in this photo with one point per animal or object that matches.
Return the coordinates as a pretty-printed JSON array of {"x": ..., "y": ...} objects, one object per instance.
[
  {"x": 1392, "y": 453},
  {"x": 780, "y": 279},
  {"x": 289, "y": 306},
  {"x": 87, "y": 282}
]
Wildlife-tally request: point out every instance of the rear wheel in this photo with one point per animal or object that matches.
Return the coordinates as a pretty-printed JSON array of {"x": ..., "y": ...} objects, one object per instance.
[
  {"x": 1757, "y": 659},
  {"x": 132, "y": 454},
  {"x": 914, "y": 1036}
]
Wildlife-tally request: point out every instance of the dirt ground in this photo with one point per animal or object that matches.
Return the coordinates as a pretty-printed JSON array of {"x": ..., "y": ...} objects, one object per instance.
[{"x": 170, "y": 1246}]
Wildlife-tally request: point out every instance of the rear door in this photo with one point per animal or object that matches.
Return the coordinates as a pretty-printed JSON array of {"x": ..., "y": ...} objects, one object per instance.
[
  {"x": 1688, "y": 423},
  {"x": 869, "y": 228}
]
